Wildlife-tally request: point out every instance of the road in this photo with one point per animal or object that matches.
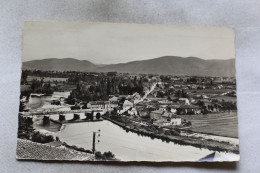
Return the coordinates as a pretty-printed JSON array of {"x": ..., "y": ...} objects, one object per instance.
[
  {"x": 141, "y": 99},
  {"x": 146, "y": 93}
]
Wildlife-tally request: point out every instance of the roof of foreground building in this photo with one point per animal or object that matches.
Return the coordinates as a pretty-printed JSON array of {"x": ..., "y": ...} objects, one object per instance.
[{"x": 29, "y": 150}]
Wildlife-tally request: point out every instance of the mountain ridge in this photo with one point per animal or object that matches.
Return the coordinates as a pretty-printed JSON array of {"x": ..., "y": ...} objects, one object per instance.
[{"x": 174, "y": 65}]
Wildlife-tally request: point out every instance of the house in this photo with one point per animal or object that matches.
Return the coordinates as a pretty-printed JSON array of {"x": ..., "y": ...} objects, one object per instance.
[
  {"x": 132, "y": 111},
  {"x": 173, "y": 98},
  {"x": 136, "y": 96},
  {"x": 164, "y": 105},
  {"x": 162, "y": 122},
  {"x": 160, "y": 100},
  {"x": 192, "y": 100},
  {"x": 173, "y": 108},
  {"x": 157, "y": 114},
  {"x": 94, "y": 105},
  {"x": 188, "y": 110},
  {"x": 127, "y": 104},
  {"x": 185, "y": 101},
  {"x": 174, "y": 121},
  {"x": 142, "y": 112},
  {"x": 110, "y": 105},
  {"x": 167, "y": 114}
]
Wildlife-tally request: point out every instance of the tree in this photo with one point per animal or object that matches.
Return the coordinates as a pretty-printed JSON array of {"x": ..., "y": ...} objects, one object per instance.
[
  {"x": 21, "y": 107},
  {"x": 178, "y": 93},
  {"x": 89, "y": 116},
  {"x": 201, "y": 103}
]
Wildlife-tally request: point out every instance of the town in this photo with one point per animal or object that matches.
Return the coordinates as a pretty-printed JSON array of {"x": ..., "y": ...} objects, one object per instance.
[{"x": 167, "y": 107}]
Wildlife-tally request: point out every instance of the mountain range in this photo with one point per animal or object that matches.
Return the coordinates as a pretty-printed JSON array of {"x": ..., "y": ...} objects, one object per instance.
[{"x": 163, "y": 65}]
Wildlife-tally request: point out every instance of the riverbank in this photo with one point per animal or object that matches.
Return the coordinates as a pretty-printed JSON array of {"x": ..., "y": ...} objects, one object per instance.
[{"x": 198, "y": 142}]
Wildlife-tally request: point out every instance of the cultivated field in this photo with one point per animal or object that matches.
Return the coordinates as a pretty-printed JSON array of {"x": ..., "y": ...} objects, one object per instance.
[
  {"x": 226, "y": 98},
  {"x": 209, "y": 91},
  {"x": 46, "y": 79},
  {"x": 221, "y": 124}
]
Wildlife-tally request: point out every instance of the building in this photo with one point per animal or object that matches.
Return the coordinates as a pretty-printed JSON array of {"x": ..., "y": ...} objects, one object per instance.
[
  {"x": 104, "y": 105},
  {"x": 127, "y": 104},
  {"x": 188, "y": 110},
  {"x": 173, "y": 108},
  {"x": 132, "y": 111},
  {"x": 136, "y": 96},
  {"x": 110, "y": 105},
  {"x": 185, "y": 101},
  {"x": 174, "y": 121},
  {"x": 157, "y": 114},
  {"x": 94, "y": 105}
]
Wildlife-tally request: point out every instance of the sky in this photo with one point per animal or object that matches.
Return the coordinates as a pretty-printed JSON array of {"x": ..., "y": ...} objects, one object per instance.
[{"x": 111, "y": 43}]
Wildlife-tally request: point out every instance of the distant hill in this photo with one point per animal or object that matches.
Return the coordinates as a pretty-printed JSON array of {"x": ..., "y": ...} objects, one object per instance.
[
  {"x": 163, "y": 65},
  {"x": 176, "y": 66},
  {"x": 66, "y": 64}
]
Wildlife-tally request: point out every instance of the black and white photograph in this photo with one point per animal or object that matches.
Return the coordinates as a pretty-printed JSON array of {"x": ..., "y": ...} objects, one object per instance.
[{"x": 127, "y": 92}]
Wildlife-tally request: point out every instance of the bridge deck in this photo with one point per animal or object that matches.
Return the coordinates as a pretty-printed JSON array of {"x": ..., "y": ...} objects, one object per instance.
[{"x": 58, "y": 112}]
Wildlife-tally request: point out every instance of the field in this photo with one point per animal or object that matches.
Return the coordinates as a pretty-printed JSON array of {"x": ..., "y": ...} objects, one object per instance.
[
  {"x": 226, "y": 98},
  {"x": 47, "y": 79},
  {"x": 221, "y": 124},
  {"x": 209, "y": 91}
]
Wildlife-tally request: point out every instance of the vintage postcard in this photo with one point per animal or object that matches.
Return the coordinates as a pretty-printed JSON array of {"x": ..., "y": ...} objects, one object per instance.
[{"x": 127, "y": 92}]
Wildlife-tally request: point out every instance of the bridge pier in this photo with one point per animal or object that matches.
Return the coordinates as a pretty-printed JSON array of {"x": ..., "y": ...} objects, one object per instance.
[
  {"x": 61, "y": 117},
  {"x": 46, "y": 120},
  {"x": 76, "y": 117}
]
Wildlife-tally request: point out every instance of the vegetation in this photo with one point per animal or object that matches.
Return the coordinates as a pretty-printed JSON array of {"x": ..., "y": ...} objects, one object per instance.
[
  {"x": 41, "y": 138},
  {"x": 25, "y": 128},
  {"x": 105, "y": 156},
  {"x": 104, "y": 87}
]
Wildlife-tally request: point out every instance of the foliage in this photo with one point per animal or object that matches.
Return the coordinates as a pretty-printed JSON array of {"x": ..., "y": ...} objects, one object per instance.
[
  {"x": 105, "y": 156},
  {"x": 41, "y": 138},
  {"x": 25, "y": 127},
  {"x": 181, "y": 94}
]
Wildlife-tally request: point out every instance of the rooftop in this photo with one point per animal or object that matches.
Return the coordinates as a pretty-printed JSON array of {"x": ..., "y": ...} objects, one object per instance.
[{"x": 35, "y": 151}]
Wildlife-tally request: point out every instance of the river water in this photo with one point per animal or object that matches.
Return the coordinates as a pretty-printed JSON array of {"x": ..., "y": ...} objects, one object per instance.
[
  {"x": 44, "y": 102},
  {"x": 128, "y": 146}
]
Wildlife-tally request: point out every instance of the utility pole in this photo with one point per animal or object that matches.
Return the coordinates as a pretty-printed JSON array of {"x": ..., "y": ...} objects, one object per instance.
[{"x": 94, "y": 142}]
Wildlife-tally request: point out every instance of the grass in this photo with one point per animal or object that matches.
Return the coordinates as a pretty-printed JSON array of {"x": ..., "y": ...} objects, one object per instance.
[
  {"x": 226, "y": 98},
  {"x": 221, "y": 124},
  {"x": 210, "y": 91}
]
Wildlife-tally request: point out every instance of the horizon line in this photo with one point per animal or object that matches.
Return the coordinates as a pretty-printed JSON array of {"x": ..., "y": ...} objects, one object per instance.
[{"x": 129, "y": 61}]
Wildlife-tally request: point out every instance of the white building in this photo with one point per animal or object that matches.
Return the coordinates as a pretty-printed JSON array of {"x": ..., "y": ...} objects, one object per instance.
[{"x": 186, "y": 101}]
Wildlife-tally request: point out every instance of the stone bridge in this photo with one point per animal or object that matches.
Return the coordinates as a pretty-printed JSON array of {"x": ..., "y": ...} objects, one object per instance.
[{"x": 60, "y": 112}]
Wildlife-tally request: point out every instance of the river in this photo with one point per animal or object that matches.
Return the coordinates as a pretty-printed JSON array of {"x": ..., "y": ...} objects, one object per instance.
[
  {"x": 128, "y": 146},
  {"x": 44, "y": 102}
]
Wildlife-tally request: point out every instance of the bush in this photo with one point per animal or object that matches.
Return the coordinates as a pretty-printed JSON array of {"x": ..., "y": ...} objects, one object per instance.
[
  {"x": 105, "y": 156},
  {"x": 41, "y": 138}
]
